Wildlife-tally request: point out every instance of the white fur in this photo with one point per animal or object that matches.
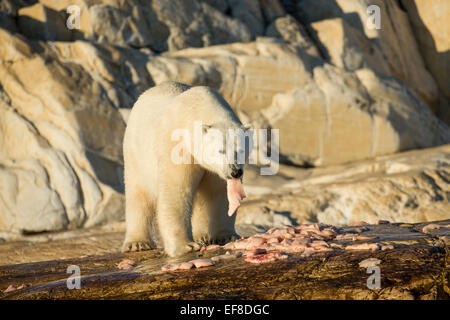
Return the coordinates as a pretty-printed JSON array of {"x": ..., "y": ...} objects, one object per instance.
[{"x": 177, "y": 206}]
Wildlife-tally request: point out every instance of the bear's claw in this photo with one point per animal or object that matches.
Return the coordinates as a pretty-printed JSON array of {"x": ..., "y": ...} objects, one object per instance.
[
  {"x": 218, "y": 239},
  {"x": 195, "y": 246},
  {"x": 183, "y": 249},
  {"x": 136, "y": 246},
  {"x": 225, "y": 239}
]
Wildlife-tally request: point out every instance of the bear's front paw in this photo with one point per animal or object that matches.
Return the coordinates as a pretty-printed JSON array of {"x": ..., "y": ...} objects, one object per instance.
[
  {"x": 137, "y": 246},
  {"x": 183, "y": 249}
]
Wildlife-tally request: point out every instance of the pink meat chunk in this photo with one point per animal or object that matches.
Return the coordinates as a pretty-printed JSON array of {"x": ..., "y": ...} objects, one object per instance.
[
  {"x": 433, "y": 226},
  {"x": 170, "y": 267},
  {"x": 227, "y": 256},
  {"x": 364, "y": 238},
  {"x": 287, "y": 242},
  {"x": 12, "y": 287},
  {"x": 319, "y": 243},
  {"x": 185, "y": 265},
  {"x": 255, "y": 242},
  {"x": 210, "y": 247},
  {"x": 345, "y": 236},
  {"x": 300, "y": 248},
  {"x": 323, "y": 249},
  {"x": 274, "y": 240},
  {"x": 197, "y": 263},
  {"x": 268, "y": 257},
  {"x": 387, "y": 247},
  {"x": 363, "y": 246},
  {"x": 229, "y": 246},
  {"x": 201, "y": 263},
  {"x": 240, "y": 244},
  {"x": 126, "y": 264},
  {"x": 329, "y": 233},
  {"x": 306, "y": 239},
  {"x": 235, "y": 193},
  {"x": 255, "y": 252}
]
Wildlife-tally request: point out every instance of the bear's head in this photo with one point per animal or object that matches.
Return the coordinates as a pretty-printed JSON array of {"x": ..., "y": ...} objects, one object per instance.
[{"x": 224, "y": 149}]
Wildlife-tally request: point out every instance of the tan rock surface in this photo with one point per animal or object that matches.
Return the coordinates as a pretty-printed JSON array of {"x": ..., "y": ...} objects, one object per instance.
[
  {"x": 407, "y": 187},
  {"x": 290, "y": 30},
  {"x": 272, "y": 9},
  {"x": 347, "y": 47},
  {"x": 161, "y": 25},
  {"x": 430, "y": 21},
  {"x": 63, "y": 104},
  {"x": 61, "y": 143},
  {"x": 395, "y": 40},
  {"x": 272, "y": 85},
  {"x": 42, "y": 23},
  {"x": 414, "y": 269},
  {"x": 249, "y": 12}
]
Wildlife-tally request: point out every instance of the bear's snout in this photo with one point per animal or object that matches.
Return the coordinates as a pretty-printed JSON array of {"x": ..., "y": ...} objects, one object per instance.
[{"x": 237, "y": 173}]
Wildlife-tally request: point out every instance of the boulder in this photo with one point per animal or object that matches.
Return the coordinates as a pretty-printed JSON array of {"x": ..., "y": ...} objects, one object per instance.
[
  {"x": 38, "y": 186},
  {"x": 39, "y": 22},
  {"x": 431, "y": 25},
  {"x": 347, "y": 47},
  {"x": 331, "y": 88},
  {"x": 10, "y": 7},
  {"x": 160, "y": 25},
  {"x": 247, "y": 75},
  {"x": 385, "y": 113},
  {"x": 132, "y": 28},
  {"x": 290, "y": 30},
  {"x": 318, "y": 108},
  {"x": 407, "y": 187},
  {"x": 249, "y": 12},
  {"x": 8, "y": 22},
  {"x": 106, "y": 63},
  {"x": 85, "y": 30},
  {"x": 272, "y": 9},
  {"x": 196, "y": 24},
  {"x": 67, "y": 171},
  {"x": 394, "y": 40},
  {"x": 221, "y": 5}
]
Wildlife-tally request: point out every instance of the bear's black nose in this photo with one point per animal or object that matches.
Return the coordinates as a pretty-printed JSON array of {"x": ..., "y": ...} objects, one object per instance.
[{"x": 237, "y": 174}]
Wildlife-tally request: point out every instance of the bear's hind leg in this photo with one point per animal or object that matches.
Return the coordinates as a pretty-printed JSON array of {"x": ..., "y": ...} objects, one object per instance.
[{"x": 139, "y": 214}]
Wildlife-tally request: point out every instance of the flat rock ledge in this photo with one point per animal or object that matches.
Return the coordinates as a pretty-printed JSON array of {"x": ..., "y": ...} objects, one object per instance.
[{"x": 417, "y": 268}]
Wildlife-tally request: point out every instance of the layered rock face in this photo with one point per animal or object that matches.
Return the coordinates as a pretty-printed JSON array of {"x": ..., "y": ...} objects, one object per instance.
[
  {"x": 407, "y": 187},
  {"x": 429, "y": 22},
  {"x": 60, "y": 142},
  {"x": 346, "y": 37},
  {"x": 338, "y": 90}
]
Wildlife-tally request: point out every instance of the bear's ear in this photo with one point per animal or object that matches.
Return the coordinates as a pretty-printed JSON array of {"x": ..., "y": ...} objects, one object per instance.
[
  {"x": 246, "y": 127},
  {"x": 206, "y": 127}
]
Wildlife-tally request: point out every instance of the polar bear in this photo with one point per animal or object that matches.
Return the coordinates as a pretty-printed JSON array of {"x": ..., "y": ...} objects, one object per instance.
[{"x": 177, "y": 206}]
